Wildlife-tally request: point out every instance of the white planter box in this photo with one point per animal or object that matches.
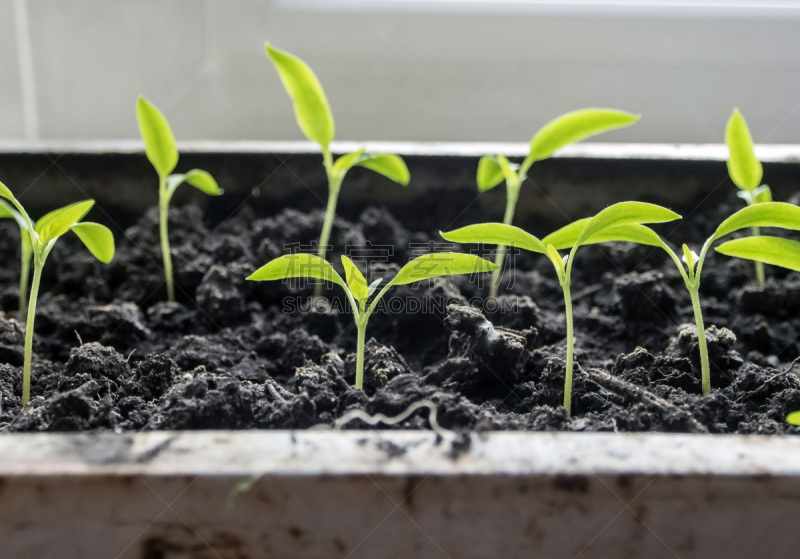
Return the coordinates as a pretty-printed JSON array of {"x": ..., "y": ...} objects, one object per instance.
[{"x": 397, "y": 494}]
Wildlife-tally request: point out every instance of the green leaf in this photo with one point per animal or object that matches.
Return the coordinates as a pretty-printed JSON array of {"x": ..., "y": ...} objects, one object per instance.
[
  {"x": 159, "y": 143},
  {"x": 6, "y": 210},
  {"x": 489, "y": 173},
  {"x": 625, "y": 213},
  {"x": 390, "y": 166},
  {"x": 575, "y": 126},
  {"x": 743, "y": 165},
  {"x": 496, "y": 234},
  {"x": 762, "y": 194},
  {"x": 766, "y": 214},
  {"x": 346, "y": 162},
  {"x": 297, "y": 266},
  {"x": 769, "y": 250},
  {"x": 689, "y": 257},
  {"x": 793, "y": 418},
  {"x": 632, "y": 233},
  {"x": 203, "y": 181},
  {"x": 355, "y": 280},
  {"x": 373, "y": 286},
  {"x": 56, "y": 223},
  {"x": 507, "y": 169},
  {"x": 438, "y": 264},
  {"x": 566, "y": 236},
  {"x": 8, "y": 195},
  {"x": 97, "y": 238},
  {"x": 311, "y": 107}
]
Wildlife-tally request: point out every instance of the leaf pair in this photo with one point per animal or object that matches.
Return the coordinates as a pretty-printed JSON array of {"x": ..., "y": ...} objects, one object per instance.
[
  {"x": 560, "y": 132},
  {"x": 315, "y": 119},
  {"x": 41, "y": 236},
  {"x": 159, "y": 145},
  {"x": 763, "y": 248},
  {"x": 619, "y": 222},
  {"x": 428, "y": 266},
  {"x": 389, "y": 165}
]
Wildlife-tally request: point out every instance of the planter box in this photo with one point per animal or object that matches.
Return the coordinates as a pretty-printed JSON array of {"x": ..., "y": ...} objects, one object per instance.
[{"x": 396, "y": 493}]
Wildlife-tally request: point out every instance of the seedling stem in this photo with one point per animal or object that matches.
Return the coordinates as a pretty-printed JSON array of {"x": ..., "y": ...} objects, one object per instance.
[{"x": 163, "y": 211}]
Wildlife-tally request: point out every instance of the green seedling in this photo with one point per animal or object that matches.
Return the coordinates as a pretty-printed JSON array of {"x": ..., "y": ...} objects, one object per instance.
[
  {"x": 620, "y": 222},
  {"x": 566, "y": 129},
  {"x": 42, "y": 238},
  {"x": 355, "y": 286},
  {"x": 690, "y": 266},
  {"x": 8, "y": 211},
  {"x": 314, "y": 116},
  {"x": 776, "y": 251},
  {"x": 745, "y": 170},
  {"x": 159, "y": 145}
]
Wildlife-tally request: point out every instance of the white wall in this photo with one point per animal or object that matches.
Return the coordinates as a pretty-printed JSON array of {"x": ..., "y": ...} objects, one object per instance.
[{"x": 402, "y": 70}]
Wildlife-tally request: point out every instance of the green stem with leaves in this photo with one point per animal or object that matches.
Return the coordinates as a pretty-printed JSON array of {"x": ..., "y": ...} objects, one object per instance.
[
  {"x": 705, "y": 368},
  {"x": 38, "y": 264},
  {"x": 512, "y": 194},
  {"x": 759, "y": 265},
  {"x": 361, "y": 326},
  {"x": 163, "y": 211}
]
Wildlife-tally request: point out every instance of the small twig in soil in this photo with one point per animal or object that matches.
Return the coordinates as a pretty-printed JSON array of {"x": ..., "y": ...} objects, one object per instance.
[
  {"x": 633, "y": 392},
  {"x": 588, "y": 290},
  {"x": 786, "y": 371},
  {"x": 80, "y": 341}
]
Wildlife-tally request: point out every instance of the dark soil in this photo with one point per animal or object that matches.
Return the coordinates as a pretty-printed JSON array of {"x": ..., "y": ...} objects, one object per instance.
[{"x": 110, "y": 354}]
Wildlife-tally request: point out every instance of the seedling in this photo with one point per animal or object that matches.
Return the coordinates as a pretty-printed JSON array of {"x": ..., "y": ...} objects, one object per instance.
[
  {"x": 42, "y": 238},
  {"x": 355, "y": 285},
  {"x": 620, "y": 222},
  {"x": 8, "y": 211},
  {"x": 159, "y": 145},
  {"x": 314, "y": 116},
  {"x": 745, "y": 170},
  {"x": 766, "y": 214},
  {"x": 564, "y": 130}
]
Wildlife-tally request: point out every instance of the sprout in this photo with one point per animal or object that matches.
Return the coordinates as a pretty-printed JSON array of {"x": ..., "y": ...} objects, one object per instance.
[
  {"x": 355, "y": 285},
  {"x": 316, "y": 122},
  {"x": 564, "y": 130},
  {"x": 771, "y": 250},
  {"x": 745, "y": 170},
  {"x": 620, "y": 222},
  {"x": 159, "y": 145},
  {"x": 8, "y": 211},
  {"x": 41, "y": 239}
]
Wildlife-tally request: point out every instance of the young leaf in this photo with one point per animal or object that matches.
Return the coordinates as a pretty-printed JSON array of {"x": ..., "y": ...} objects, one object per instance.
[
  {"x": 769, "y": 250},
  {"x": 56, "y": 223},
  {"x": 355, "y": 280},
  {"x": 793, "y": 418},
  {"x": 97, "y": 238},
  {"x": 8, "y": 195},
  {"x": 631, "y": 233},
  {"x": 689, "y": 257},
  {"x": 203, "y": 181},
  {"x": 767, "y": 214},
  {"x": 566, "y": 236},
  {"x": 506, "y": 168},
  {"x": 373, "y": 286},
  {"x": 575, "y": 126},
  {"x": 625, "y": 213},
  {"x": 297, "y": 266},
  {"x": 743, "y": 166},
  {"x": 489, "y": 173},
  {"x": 438, "y": 264},
  {"x": 495, "y": 234},
  {"x": 159, "y": 143},
  {"x": 346, "y": 162},
  {"x": 311, "y": 107},
  {"x": 390, "y": 166}
]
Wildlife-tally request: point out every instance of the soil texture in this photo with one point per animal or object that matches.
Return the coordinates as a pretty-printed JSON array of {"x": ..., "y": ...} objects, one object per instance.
[{"x": 111, "y": 354}]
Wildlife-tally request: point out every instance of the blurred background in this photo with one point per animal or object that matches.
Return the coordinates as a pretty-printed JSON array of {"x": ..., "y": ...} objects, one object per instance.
[{"x": 426, "y": 70}]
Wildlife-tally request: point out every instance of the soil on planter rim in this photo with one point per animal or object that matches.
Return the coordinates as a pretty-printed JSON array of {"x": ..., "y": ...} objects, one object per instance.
[{"x": 110, "y": 354}]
